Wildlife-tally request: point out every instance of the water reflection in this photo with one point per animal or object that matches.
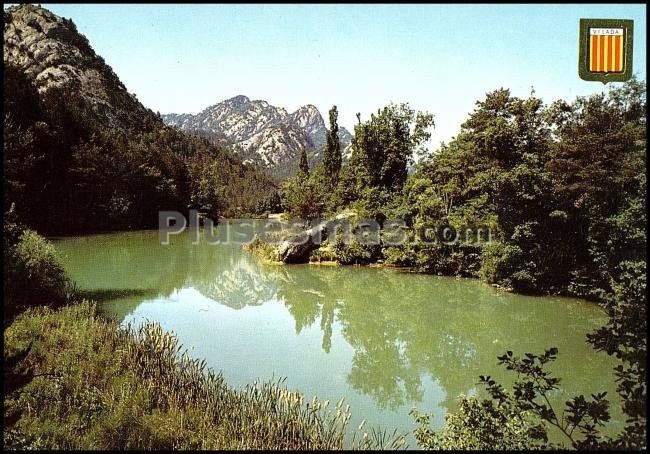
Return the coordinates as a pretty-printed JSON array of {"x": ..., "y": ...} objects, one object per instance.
[{"x": 404, "y": 331}]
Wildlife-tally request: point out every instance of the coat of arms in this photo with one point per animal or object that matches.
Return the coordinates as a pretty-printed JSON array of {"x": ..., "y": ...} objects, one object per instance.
[{"x": 605, "y": 53}]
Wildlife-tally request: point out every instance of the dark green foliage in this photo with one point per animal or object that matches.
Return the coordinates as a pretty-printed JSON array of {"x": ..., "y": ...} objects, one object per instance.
[
  {"x": 359, "y": 248},
  {"x": 386, "y": 143},
  {"x": 32, "y": 272},
  {"x": 332, "y": 158},
  {"x": 377, "y": 168},
  {"x": 382, "y": 148},
  {"x": 480, "y": 424},
  {"x": 598, "y": 166},
  {"x": 122, "y": 181},
  {"x": 70, "y": 168},
  {"x": 499, "y": 264},
  {"x": 492, "y": 175},
  {"x": 305, "y": 196},
  {"x": 561, "y": 188},
  {"x": 220, "y": 185},
  {"x": 303, "y": 165},
  {"x": 33, "y": 155},
  {"x": 272, "y": 204}
]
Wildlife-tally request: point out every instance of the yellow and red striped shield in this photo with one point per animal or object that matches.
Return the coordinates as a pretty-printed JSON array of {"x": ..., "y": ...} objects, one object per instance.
[{"x": 606, "y": 50}]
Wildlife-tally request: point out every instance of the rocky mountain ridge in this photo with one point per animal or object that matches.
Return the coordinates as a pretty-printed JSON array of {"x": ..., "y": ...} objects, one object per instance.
[{"x": 260, "y": 132}]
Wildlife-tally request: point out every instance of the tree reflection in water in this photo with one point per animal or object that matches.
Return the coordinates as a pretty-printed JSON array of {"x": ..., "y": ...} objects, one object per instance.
[{"x": 402, "y": 327}]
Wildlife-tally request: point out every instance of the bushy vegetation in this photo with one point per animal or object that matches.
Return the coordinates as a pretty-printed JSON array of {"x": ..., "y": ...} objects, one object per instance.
[
  {"x": 560, "y": 188},
  {"x": 480, "y": 425},
  {"x": 263, "y": 247},
  {"x": 86, "y": 383},
  {"x": 33, "y": 274}
]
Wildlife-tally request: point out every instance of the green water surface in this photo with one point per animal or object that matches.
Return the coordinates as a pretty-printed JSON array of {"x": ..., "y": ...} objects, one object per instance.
[{"x": 385, "y": 340}]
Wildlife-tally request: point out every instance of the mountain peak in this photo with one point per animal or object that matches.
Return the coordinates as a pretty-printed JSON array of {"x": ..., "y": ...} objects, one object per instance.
[
  {"x": 239, "y": 99},
  {"x": 308, "y": 110},
  {"x": 260, "y": 132}
]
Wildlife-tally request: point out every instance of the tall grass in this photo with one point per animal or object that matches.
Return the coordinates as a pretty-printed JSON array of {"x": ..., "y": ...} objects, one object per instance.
[{"x": 96, "y": 385}]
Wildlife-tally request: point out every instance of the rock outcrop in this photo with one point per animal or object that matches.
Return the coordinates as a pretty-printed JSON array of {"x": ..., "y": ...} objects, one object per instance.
[{"x": 55, "y": 56}]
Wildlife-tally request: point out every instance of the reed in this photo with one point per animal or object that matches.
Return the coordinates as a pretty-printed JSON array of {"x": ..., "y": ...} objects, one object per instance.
[{"x": 96, "y": 385}]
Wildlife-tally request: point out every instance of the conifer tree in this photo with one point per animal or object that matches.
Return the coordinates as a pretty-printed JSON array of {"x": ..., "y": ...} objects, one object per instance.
[
  {"x": 303, "y": 166},
  {"x": 332, "y": 158}
]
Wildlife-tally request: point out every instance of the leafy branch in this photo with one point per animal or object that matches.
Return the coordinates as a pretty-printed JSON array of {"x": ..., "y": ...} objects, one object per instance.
[{"x": 579, "y": 420}]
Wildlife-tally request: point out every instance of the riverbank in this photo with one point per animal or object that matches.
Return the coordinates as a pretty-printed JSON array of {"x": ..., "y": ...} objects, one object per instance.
[
  {"x": 274, "y": 249},
  {"x": 75, "y": 379},
  {"x": 82, "y": 382},
  {"x": 280, "y": 248}
]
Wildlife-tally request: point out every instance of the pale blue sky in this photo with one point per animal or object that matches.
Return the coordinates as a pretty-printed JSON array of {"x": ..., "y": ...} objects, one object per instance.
[{"x": 440, "y": 58}]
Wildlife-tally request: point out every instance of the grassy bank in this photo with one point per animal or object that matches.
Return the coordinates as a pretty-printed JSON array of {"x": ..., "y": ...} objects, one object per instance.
[{"x": 86, "y": 383}]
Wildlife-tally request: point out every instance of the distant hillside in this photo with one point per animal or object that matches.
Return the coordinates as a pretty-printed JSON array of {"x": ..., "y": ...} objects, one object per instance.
[
  {"x": 81, "y": 153},
  {"x": 260, "y": 133}
]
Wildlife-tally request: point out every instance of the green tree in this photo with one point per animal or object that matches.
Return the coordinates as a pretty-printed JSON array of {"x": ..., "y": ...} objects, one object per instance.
[
  {"x": 332, "y": 158},
  {"x": 304, "y": 195},
  {"x": 597, "y": 163},
  {"x": 387, "y": 142},
  {"x": 303, "y": 165}
]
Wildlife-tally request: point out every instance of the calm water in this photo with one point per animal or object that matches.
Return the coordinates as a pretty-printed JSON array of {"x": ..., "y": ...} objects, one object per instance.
[{"x": 385, "y": 340}]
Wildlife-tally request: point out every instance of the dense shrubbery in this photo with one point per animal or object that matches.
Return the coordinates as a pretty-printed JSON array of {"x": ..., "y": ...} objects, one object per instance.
[
  {"x": 264, "y": 248},
  {"x": 480, "y": 425},
  {"x": 33, "y": 274}
]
